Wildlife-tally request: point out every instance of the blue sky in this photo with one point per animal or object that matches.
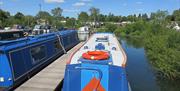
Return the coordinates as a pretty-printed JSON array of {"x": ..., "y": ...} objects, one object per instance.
[{"x": 73, "y": 7}]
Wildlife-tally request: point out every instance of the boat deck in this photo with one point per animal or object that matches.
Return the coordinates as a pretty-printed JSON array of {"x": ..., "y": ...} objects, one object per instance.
[
  {"x": 49, "y": 78},
  {"x": 107, "y": 42}
]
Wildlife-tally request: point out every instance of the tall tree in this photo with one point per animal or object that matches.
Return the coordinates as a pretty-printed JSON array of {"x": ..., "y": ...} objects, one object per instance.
[
  {"x": 145, "y": 17},
  {"x": 29, "y": 20},
  {"x": 19, "y": 15},
  {"x": 130, "y": 18},
  {"x": 70, "y": 22},
  {"x": 19, "y": 18},
  {"x": 83, "y": 17},
  {"x": 43, "y": 15},
  {"x": 102, "y": 18},
  {"x": 176, "y": 15},
  {"x": 3, "y": 18},
  {"x": 94, "y": 14},
  {"x": 139, "y": 16},
  {"x": 152, "y": 16},
  {"x": 57, "y": 13},
  {"x": 159, "y": 17}
]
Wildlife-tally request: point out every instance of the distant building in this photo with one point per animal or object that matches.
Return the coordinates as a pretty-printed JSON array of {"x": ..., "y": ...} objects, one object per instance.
[
  {"x": 7, "y": 28},
  {"x": 125, "y": 23},
  {"x": 121, "y": 23},
  {"x": 95, "y": 24},
  {"x": 63, "y": 21},
  {"x": 176, "y": 27},
  {"x": 42, "y": 22}
]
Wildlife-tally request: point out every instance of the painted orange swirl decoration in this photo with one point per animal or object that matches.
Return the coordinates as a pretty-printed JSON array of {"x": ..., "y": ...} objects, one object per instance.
[{"x": 94, "y": 85}]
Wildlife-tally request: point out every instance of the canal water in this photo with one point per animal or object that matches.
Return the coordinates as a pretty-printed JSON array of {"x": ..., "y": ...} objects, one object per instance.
[{"x": 141, "y": 75}]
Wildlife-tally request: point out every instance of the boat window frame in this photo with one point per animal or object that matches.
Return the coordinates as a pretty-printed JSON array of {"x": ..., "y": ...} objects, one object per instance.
[
  {"x": 12, "y": 35},
  {"x": 36, "y": 61}
]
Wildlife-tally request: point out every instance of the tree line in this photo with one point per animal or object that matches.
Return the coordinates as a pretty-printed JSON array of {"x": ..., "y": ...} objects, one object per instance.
[
  {"x": 97, "y": 16},
  {"x": 55, "y": 17}
]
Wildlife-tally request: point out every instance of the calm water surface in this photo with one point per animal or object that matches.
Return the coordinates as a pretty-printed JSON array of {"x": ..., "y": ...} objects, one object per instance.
[{"x": 141, "y": 75}]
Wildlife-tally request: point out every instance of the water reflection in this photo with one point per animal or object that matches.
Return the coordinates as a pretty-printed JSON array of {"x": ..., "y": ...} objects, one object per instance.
[
  {"x": 140, "y": 72},
  {"x": 133, "y": 42}
]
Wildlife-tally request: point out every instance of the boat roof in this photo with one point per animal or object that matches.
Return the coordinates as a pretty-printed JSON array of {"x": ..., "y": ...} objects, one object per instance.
[
  {"x": 111, "y": 45},
  {"x": 12, "y": 30},
  {"x": 6, "y": 45}
]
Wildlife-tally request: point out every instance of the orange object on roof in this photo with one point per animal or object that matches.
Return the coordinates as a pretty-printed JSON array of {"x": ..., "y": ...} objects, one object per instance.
[
  {"x": 96, "y": 55},
  {"x": 94, "y": 85}
]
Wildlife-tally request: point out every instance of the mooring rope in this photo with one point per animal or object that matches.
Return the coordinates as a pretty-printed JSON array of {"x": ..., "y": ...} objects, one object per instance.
[{"x": 61, "y": 43}]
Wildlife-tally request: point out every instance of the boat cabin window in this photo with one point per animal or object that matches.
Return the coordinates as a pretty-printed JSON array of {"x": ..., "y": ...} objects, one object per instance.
[
  {"x": 38, "y": 27},
  {"x": 1, "y": 52},
  {"x": 16, "y": 35},
  {"x": 38, "y": 53},
  {"x": 10, "y": 35}
]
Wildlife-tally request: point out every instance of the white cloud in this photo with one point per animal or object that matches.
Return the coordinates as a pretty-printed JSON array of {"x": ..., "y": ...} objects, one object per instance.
[
  {"x": 1, "y": 3},
  {"x": 54, "y": 1},
  {"x": 139, "y": 2},
  {"x": 79, "y": 4}
]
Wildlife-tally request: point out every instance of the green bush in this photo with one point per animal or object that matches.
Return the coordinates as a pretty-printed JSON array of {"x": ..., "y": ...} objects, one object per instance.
[{"x": 110, "y": 27}]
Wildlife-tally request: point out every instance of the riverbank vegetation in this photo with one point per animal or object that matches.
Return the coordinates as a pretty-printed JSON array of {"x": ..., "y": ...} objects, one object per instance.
[
  {"x": 161, "y": 42},
  {"x": 162, "y": 46}
]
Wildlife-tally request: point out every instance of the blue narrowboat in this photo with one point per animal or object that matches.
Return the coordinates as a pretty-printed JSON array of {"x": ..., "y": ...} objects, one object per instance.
[
  {"x": 21, "y": 58},
  {"x": 99, "y": 65}
]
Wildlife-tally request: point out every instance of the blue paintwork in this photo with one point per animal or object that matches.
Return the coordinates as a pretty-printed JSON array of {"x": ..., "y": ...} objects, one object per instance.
[
  {"x": 87, "y": 75},
  {"x": 79, "y": 75},
  {"x": 117, "y": 79},
  {"x": 100, "y": 46},
  {"x": 72, "y": 78},
  {"x": 68, "y": 40},
  {"x": 5, "y": 71},
  {"x": 15, "y": 57}
]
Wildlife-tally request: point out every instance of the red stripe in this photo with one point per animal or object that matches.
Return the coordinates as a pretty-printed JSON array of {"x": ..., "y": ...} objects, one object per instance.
[{"x": 71, "y": 56}]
